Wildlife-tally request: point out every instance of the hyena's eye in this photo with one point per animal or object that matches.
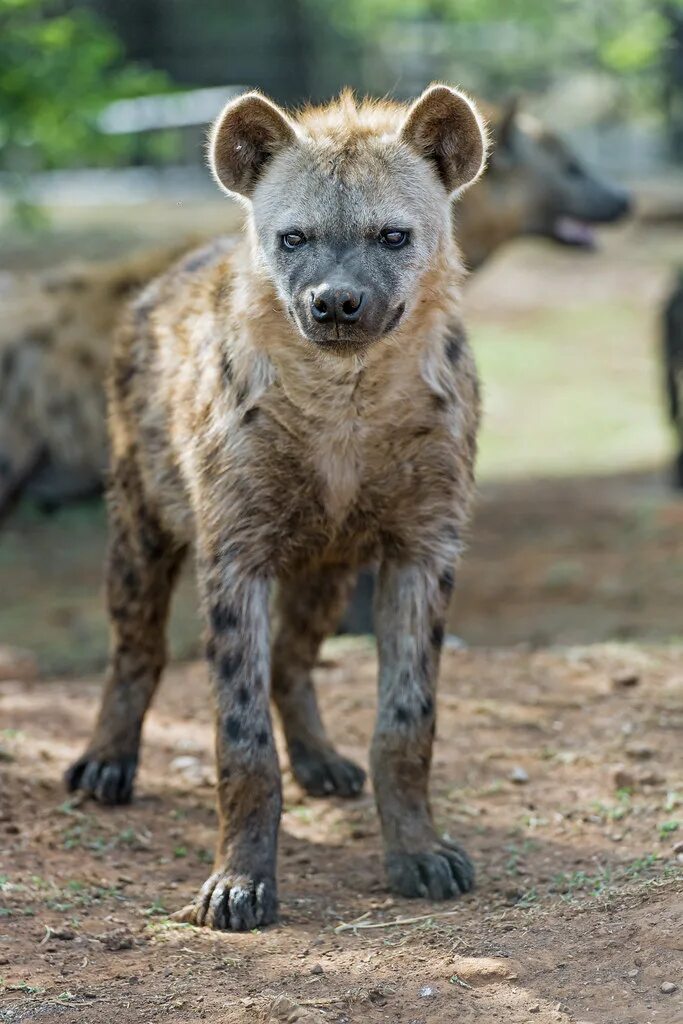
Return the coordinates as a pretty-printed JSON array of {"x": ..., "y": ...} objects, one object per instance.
[
  {"x": 292, "y": 239},
  {"x": 393, "y": 238}
]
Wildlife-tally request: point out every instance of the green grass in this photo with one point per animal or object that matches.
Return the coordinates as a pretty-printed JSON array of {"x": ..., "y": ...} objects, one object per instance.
[{"x": 570, "y": 390}]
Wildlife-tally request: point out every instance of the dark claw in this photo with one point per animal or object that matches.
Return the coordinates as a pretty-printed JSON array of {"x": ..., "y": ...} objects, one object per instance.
[
  {"x": 110, "y": 782},
  {"x": 444, "y": 872},
  {"x": 232, "y": 902}
]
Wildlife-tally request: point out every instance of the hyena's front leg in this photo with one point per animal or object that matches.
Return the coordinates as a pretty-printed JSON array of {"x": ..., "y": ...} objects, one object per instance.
[
  {"x": 411, "y": 603},
  {"x": 307, "y": 610},
  {"x": 241, "y": 893},
  {"x": 142, "y": 565}
]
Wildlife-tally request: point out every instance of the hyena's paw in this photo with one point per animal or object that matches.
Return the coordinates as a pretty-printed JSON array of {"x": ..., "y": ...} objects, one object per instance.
[
  {"x": 232, "y": 902},
  {"x": 109, "y": 781},
  {"x": 441, "y": 872},
  {"x": 324, "y": 772}
]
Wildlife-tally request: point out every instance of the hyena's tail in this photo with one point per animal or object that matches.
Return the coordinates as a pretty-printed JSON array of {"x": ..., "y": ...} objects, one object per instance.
[{"x": 673, "y": 372}]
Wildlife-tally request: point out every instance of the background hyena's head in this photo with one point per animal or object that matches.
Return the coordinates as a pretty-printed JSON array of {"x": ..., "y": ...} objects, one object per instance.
[
  {"x": 556, "y": 196},
  {"x": 350, "y": 203}
]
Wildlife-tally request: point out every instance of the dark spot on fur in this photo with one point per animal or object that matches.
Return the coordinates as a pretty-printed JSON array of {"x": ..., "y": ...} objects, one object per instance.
[
  {"x": 439, "y": 402},
  {"x": 223, "y": 617},
  {"x": 9, "y": 359},
  {"x": 226, "y": 369},
  {"x": 262, "y": 738},
  {"x": 233, "y": 728},
  {"x": 427, "y": 707},
  {"x": 455, "y": 339},
  {"x": 86, "y": 360},
  {"x": 230, "y": 663},
  {"x": 211, "y": 648},
  {"x": 437, "y": 634},
  {"x": 402, "y": 714},
  {"x": 125, "y": 286},
  {"x": 243, "y": 695},
  {"x": 40, "y": 337},
  {"x": 422, "y": 431},
  {"x": 130, "y": 580},
  {"x": 424, "y": 664},
  {"x": 241, "y": 394},
  {"x": 250, "y": 415},
  {"x": 447, "y": 581},
  {"x": 123, "y": 375}
]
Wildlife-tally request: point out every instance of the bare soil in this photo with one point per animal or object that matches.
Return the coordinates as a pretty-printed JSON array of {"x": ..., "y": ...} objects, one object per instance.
[{"x": 578, "y": 912}]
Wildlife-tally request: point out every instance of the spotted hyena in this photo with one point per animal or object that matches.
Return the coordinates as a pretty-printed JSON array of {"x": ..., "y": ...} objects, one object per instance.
[{"x": 293, "y": 408}]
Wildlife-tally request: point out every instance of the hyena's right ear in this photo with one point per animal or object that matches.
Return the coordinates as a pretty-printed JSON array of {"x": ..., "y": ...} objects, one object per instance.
[
  {"x": 445, "y": 127},
  {"x": 247, "y": 134}
]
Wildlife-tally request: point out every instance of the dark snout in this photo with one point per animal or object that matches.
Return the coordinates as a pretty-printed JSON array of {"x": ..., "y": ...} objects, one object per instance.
[
  {"x": 612, "y": 205},
  {"x": 337, "y": 304}
]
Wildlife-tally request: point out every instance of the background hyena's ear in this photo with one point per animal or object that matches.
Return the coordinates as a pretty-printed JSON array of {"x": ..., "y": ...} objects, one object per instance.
[
  {"x": 247, "y": 134},
  {"x": 445, "y": 127},
  {"x": 503, "y": 126}
]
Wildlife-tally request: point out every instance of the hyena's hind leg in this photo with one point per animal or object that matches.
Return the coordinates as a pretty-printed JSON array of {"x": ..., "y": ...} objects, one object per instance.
[
  {"x": 307, "y": 610},
  {"x": 142, "y": 565}
]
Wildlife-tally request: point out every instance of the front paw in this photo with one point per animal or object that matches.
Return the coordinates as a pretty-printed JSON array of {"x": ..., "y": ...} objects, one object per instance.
[
  {"x": 108, "y": 780},
  {"x": 442, "y": 871},
  {"x": 232, "y": 901}
]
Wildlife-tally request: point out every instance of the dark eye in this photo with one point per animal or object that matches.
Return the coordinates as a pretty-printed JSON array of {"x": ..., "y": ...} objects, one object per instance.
[
  {"x": 291, "y": 239},
  {"x": 393, "y": 238}
]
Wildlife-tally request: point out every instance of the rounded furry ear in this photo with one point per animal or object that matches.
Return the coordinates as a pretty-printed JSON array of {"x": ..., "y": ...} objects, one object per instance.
[
  {"x": 247, "y": 134},
  {"x": 445, "y": 127}
]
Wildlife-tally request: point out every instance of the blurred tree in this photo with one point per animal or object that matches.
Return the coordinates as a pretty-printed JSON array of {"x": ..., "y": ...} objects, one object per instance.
[{"x": 59, "y": 66}]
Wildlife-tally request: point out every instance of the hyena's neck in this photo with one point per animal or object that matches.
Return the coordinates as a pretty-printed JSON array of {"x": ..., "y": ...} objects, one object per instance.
[{"x": 270, "y": 344}]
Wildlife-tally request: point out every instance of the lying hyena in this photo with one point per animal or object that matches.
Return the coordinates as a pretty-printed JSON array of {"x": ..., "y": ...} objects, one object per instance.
[{"x": 294, "y": 408}]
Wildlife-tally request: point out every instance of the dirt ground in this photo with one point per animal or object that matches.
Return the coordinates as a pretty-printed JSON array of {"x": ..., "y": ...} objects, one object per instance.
[
  {"x": 558, "y": 759},
  {"x": 560, "y": 770}
]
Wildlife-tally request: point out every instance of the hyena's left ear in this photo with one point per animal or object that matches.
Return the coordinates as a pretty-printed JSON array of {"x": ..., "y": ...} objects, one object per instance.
[
  {"x": 446, "y": 128},
  {"x": 246, "y": 135}
]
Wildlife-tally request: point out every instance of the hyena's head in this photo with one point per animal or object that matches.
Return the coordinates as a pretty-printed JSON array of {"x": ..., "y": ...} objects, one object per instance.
[
  {"x": 350, "y": 204},
  {"x": 557, "y": 196}
]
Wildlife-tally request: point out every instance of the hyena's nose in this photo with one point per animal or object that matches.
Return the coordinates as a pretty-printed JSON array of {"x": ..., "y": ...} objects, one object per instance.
[{"x": 343, "y": 305}]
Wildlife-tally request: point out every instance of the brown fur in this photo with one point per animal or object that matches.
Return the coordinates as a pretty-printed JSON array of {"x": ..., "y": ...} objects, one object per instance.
[
  {"x": 55, "y": 337},
  {"x": 279, "y": 462}
]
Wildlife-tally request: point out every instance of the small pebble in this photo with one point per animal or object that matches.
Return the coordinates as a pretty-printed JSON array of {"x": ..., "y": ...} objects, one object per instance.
[
  {"x": 625, "y": 678},
  {"x": 536, "y": 1008},
  {"x": 633, "y": 973},
  {"x": 667, "y": 987},
  {"x": 316, "y": 969},
  {"x": 427, "y": 992},
  {"x": 678, "y": 847},
  {"x": 519, "y": 775}
]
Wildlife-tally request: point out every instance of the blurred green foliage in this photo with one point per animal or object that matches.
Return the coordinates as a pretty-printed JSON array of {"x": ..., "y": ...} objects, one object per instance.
[
  {"x": 59, "y": 67},
  {"x": 628, "y": 34}
]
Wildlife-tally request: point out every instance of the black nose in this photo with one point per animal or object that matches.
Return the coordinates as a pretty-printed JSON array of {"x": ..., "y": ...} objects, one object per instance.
[{"x": 342, "y": 305}]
